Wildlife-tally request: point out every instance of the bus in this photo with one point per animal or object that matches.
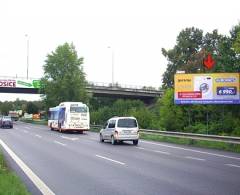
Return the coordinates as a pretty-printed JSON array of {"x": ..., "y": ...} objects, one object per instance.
[{"x": 69, "y": 116}]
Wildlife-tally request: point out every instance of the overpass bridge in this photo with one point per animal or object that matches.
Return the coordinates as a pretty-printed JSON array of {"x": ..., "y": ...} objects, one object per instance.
[{"x": 97, "y": 89}]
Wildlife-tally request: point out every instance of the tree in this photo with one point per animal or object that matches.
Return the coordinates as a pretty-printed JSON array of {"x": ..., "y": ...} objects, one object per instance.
[
  {"x": 64, "y": 79},
  {"x": 32, "y": 108},
  {"x": 189, "y": 42}
]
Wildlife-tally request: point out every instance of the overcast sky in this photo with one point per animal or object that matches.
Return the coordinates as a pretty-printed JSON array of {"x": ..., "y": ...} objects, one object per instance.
[{"x": 135, "y": 31}]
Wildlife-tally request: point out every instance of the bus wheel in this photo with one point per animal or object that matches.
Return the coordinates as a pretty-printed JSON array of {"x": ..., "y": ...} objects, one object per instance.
[
  {"x": 60, "y": 129},
  {"x": 51, "y": 127}
]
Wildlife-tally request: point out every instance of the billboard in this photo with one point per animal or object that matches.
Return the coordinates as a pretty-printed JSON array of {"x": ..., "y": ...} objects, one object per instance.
[
  {"x": 19, "y": 83},
  {"x": 214, "y": 88}
]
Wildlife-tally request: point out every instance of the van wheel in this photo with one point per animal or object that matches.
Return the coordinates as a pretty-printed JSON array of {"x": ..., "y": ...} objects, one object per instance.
[
  {"x": 101, "y": 138},
  {"x": 113, "y": 141},
  {"x": 135, "y": 142}
]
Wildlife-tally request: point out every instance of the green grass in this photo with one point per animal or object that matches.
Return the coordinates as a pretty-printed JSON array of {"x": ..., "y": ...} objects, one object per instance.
[
  {"x": 10, "y": 183},
  {"x": 190, "y": 142},
  {"x": 38, "y": 122}
]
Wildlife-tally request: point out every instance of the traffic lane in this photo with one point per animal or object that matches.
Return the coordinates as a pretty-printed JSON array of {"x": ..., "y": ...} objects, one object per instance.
[
  {"x": 55, "y": 166},
  {"x": 178, "y": 170},
  {"x": 226, "y": 158},
  {"x": 166, "y": 178},
  {"x": 82, "y": 170}
]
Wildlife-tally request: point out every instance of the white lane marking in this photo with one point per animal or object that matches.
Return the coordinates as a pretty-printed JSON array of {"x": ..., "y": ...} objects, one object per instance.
[
  {"x": 140, "y": 148},
  {"x": 94, "y": 139},
  {"x": 191, "y": 150},
  {"x": 231, "y": 165},
  {"x": 32, "y": 176},
  {"x": 69, "y": 138},
  {"x": 25, "y": 131},
  {"x": 115, "y": 161},
  {"x": 194, "y": 158},
  {"x": 15, "y": 128},
  {"x": 157, "y": 151},
  {"x": 59, "y": 143},
  {"x": 39, "y": 136},
  {"x": 27, "y": 127},
  {"x": 162, "y": 152}
]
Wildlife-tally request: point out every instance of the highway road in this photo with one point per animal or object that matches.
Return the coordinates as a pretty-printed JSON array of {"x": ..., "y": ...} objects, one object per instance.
[{"x": 72, "y": 164}]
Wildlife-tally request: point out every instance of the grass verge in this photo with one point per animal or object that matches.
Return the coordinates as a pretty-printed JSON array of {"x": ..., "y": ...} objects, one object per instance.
[
  {"x": 38, "y": 122},
  {"x": 10, "y": 183},
  {"x": 190, "y": 142}
]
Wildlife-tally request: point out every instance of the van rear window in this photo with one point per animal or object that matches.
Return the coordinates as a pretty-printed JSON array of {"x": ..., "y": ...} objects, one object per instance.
[{"x": 130, "y": 123}]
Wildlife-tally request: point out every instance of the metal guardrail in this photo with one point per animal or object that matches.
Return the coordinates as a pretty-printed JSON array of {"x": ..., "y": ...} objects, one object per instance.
[
  {"x": 194, "y": 136},
  {"x": 226, "y": 139}
]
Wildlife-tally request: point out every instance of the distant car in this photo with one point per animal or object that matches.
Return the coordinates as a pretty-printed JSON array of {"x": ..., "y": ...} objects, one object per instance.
[
  {"x": 6, "y": 121},
  {"x": 119, "y": 129}
]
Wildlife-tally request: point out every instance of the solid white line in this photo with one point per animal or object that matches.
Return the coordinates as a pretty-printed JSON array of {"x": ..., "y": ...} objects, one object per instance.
[
  {"x": 27, "y": 127},
  {"x": 194, "y": 158},
  {"x": 32, "y": 176},
  {"x": 69, "y": 138},
  {"x": 231, "y": 165},
  {"x": 121, "y": 163},
  {"x": 39, "y": 136},
  {"x": 25, "y": 131},
  {"x": 59, "y": 143},
  {"x": 191, "y": 150}
]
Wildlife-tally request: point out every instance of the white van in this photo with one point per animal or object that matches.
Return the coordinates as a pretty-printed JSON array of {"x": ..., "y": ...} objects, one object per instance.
[{"x": 119, "y": 129}]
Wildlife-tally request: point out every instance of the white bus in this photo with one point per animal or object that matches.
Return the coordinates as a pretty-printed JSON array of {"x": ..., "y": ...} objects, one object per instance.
[{"x": 69, "y": 116}]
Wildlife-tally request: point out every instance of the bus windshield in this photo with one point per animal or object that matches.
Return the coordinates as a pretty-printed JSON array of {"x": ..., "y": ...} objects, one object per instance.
[{"x": 74, "y": 109}]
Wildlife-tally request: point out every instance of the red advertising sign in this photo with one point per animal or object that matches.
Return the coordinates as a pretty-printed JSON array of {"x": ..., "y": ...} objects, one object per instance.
[
  {"x": 7, "y": 83},
  {"x": 190, "y": 94}
]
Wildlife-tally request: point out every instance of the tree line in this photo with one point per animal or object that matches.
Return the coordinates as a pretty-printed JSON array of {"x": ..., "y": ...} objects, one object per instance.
[{"x": 64, "y": 80}]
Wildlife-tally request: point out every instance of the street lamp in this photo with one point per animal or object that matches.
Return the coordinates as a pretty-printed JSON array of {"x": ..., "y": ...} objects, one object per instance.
[
  {"x": 27, "y": 53},
  {"x": 112, "y": 64}
]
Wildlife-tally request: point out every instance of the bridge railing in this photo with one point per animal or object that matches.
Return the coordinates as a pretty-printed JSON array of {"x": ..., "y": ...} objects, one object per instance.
[{"x": 124, "y": 86}]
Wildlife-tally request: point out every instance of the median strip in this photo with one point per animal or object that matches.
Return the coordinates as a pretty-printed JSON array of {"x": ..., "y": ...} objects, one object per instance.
[
  {"x": 109, "y": 159},
  {"x": 32, "y": 176}
]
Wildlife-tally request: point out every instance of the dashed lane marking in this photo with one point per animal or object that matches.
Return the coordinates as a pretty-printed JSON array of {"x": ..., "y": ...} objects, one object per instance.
[{"x": 109, "y": 159}]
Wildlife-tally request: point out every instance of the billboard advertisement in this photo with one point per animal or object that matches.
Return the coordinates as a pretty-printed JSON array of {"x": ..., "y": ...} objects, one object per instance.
[
  {"x": 214, "y": 88},
  {"x": 19, "y": 83}
]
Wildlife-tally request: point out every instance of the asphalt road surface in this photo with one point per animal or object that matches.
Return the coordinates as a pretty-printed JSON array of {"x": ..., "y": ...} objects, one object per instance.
[{"x": 72, "y": 164}]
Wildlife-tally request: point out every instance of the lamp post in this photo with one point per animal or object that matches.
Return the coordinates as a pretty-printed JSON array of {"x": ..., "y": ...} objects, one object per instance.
[
  {"x": 27, "y": 53},
  {"x": 112, "y": 64}
]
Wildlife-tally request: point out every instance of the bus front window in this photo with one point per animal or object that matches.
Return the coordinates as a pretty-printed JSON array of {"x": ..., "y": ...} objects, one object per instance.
[{"x": 78, "y": 109}]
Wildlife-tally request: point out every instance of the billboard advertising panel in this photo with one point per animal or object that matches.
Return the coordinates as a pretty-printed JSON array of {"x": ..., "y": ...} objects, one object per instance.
[
  {"x": 19, "y": 83},
  {"x": 214, "y": 88}
]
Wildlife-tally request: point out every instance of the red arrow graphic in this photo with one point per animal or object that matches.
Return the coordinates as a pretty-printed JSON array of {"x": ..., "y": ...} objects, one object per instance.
[{"x": 208, "y": 62}]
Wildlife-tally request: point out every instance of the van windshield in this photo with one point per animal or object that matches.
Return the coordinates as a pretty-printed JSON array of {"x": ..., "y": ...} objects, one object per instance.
[{"x": 130, "y": 123}]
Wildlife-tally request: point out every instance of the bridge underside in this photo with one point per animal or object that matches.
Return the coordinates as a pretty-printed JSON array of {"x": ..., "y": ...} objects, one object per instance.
[
  {"x": 95, "y": 93},
  {"x": 19, "y": 90}
]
